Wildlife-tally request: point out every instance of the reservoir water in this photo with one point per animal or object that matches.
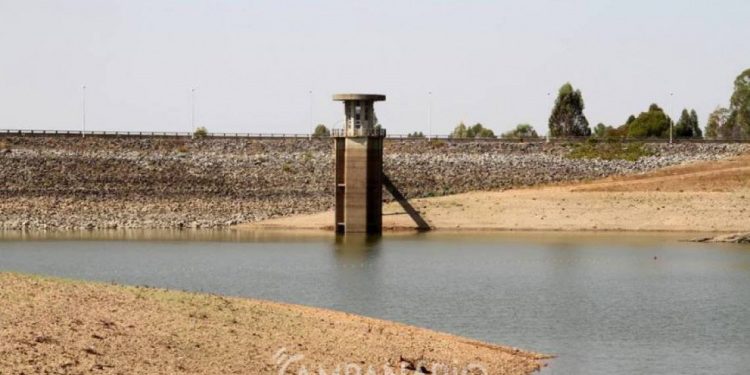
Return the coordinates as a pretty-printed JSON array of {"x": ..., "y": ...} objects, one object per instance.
[{"x": 603, "y": 303}]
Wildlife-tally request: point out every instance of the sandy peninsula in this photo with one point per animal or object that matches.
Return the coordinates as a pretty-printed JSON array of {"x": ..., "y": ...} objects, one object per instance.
[
  {"x": 709, "y": 196},
  {"x": 70, "y": 327}
]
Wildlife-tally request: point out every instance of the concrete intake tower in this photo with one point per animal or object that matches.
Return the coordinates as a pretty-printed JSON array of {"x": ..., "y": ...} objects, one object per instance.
[{"x": 359, "y": 166}]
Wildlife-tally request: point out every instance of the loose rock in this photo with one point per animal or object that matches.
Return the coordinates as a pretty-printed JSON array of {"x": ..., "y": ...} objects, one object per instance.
[{"x": 56, "y": 182}]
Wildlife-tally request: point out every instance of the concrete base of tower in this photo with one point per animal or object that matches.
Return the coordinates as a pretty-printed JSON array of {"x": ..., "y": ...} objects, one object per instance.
[{"x": 359, "y": 185}]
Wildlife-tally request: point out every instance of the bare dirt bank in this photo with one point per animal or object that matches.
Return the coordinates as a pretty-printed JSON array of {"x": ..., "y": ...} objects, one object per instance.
[
  {"x": 700, "y": 197},
  {"x": 60, "y": 326}
]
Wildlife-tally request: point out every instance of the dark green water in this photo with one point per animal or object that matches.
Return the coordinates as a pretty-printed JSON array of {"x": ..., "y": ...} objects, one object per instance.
[{"x": 605, "y": 304}]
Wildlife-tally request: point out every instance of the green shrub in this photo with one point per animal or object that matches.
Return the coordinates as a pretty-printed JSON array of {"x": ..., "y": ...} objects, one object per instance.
[
  {"x": 609, "y": 151},
  {"x": 652, "y": 124},
  {"x": 321, "y": 131},
  {"x": 200, "y": 132},
  {"x": 415, "y": 135},
  {"x": 475, "y": 131},
  {"x": 520, "y": 132}
]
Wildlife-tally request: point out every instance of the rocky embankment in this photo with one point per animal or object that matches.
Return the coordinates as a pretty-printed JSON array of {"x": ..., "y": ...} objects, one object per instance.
[
  {"x": 743, "y": 238},
  {"x": 72, "y": 183}
]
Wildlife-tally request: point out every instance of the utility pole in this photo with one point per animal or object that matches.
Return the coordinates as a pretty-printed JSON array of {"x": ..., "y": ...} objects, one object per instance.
[
  {"x": 429, "y": 115},
  {"x": 671, "y": 123},
  {"x": 312, "y": 125},
  {"x": 192, "y": 109},
  {"x": 83, "y": 110},
  {"x": 548, "y": 130}
]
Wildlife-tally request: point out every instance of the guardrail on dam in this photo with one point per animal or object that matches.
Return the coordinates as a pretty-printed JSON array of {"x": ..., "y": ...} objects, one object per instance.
[{"x": 149, "y": 134}]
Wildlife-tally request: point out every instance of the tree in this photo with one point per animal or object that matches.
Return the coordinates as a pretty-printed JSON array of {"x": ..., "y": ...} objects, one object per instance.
[
  {"x": 479, "y": 131},
  {"x": 654, "y": 123},
  {"x": 621, "y": 131},
  {"x": 608, "y": 132},
  {"x": 475, "y": 131},
  {"x": 600, "y": 130},
  {"x": 739, "y": 105},
  {"x": 697, "y": 133},
  {"x": 460, "y": 131},
  {"x": 718, "y": 125},
  {"x": 321, "y": 131},
  {"x": 682, "y": 128},
  {"x": 200, "y": 132},
  {"x": 567, "y": 118},
  {"x": 521, "y": 131},
  {"x": 415, "y": 135},
  {"x": 687, "y": 126}
]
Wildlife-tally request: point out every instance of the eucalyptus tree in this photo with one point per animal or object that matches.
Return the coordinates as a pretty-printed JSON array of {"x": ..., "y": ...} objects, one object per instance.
[
  {"x": 739, "y": 105},
  {"x": 687, "y": 126},
  {"x": 567, "y": 118}
]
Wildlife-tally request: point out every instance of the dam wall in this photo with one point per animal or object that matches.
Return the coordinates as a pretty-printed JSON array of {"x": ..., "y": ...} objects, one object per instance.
[{"x": 49, "y": 182}]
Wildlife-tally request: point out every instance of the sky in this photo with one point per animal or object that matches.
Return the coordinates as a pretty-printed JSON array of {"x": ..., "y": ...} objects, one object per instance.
[{"x": 272, "y": 66}]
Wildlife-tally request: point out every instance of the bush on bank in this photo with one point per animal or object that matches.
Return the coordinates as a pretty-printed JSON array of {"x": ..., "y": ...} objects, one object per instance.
[
  {"x": 200, "y": 132},
  {"x": 609, "y": 151}
]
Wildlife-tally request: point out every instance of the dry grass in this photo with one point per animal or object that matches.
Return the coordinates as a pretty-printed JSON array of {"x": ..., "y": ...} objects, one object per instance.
[
  {"x": 58, "y": 326},
  {"x": 715, "y": 176},
  {"x": 609, "y": 151}
]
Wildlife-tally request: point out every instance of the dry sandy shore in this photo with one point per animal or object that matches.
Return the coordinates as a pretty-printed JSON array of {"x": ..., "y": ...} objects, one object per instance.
[
  {"x": 65, "y": 327},
  {"x": 701, "y": 197}
]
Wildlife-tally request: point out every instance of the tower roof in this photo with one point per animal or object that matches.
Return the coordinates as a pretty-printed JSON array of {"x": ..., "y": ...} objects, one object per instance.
[{"x": 368, "y": 97}]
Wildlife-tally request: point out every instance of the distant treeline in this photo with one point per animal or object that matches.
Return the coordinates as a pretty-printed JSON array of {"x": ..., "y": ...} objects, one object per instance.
[{"x": 568, "y": 120}]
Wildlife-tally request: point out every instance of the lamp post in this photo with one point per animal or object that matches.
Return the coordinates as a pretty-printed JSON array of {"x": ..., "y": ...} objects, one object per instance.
[
  {"x": 548, "y": 129},
  {"x": 192, "y": 109},
  {"x": 671, "y": 123},
  {"x": 312, "y": 125},
  {"x": 429, "y": 115},
  {"x": 83, "y": 111}
]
